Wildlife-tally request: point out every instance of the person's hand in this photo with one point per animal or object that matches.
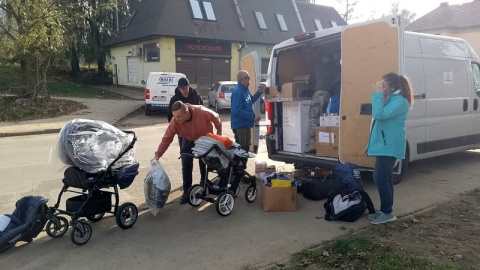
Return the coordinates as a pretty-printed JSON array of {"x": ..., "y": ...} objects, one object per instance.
[
  {"x": 261, "y": 88},
  {"x": 378, "y": 87},
  {"x": 257, "y": 118}
]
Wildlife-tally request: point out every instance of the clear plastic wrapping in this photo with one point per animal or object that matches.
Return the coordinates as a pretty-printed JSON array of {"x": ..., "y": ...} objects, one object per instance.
[
  {"x": 156, "y": 187},
  {"x": 92, "y": 145}
]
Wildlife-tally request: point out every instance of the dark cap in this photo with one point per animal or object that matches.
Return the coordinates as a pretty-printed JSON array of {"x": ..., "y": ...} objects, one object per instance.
[{"x": 182, "y": 82}]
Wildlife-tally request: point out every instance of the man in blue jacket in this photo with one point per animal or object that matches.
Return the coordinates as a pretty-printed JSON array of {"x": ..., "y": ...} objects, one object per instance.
[{"x": 242, "y": 116}]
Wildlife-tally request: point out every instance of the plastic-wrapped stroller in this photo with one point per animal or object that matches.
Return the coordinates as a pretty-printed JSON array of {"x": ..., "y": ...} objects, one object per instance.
[
  {"x": 83, "y": 142},
  {"x": 25, "y": 223},
  {"x": 229, "y": 166}
]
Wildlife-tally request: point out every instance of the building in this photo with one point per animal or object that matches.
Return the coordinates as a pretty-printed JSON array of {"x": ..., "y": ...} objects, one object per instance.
[
  {"x": 206, "y": 39},
  {"x": 461, "y": 20}
]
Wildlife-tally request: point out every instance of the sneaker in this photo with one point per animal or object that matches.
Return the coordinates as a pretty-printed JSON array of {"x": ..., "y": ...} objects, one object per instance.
[
  {"x": 374, "y": 215},
  {"x": 383, "y": 218},
  {"x": 183, "y": 199}
]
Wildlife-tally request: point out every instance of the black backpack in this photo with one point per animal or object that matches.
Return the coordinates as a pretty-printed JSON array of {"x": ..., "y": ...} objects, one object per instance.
[{"x": 347, "y": 201}]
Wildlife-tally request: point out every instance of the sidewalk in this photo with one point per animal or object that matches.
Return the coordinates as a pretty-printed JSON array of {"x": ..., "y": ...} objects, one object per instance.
[{"x": 108, "y": 110}]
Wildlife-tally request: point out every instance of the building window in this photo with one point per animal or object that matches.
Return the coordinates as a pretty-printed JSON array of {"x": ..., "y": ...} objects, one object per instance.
[
  {"x": 202, "y": 9},
  {"x": 281, "y": 22},
  {"x": 260, "y": 20},
  {"x": 196, "y": 10},
  {"x": 209, "y": 11},
  {"x": 333, "y": 23},
  {"x": 151, "y": 52},
  {"x": 318, "y": 24}
]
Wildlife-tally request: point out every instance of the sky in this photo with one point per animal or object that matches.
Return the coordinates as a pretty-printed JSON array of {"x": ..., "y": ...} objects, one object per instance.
[{"x": 364, "y": 8}]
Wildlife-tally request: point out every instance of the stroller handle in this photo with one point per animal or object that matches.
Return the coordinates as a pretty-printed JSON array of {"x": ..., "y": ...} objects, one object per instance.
[{"x": 130, "y": 146}]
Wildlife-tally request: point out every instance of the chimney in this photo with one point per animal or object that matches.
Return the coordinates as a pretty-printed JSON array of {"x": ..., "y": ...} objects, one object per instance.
[{"x": 444, "y": 4}]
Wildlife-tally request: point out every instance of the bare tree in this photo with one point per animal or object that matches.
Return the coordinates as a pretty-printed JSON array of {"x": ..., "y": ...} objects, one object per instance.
[
  {"x": 349, "y": 6},
  {"x": 406, "y": 14}
]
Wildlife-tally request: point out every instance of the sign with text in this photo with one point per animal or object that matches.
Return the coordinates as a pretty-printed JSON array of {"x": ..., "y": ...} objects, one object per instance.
[{"x": 191, "y": 46}]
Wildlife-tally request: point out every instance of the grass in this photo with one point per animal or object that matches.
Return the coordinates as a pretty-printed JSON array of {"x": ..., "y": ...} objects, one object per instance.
[{"x": 359, "y": 253}]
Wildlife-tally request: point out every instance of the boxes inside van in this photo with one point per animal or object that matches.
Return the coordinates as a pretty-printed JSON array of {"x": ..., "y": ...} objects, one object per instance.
[
  {"x": 159, "y": 89},
  {"x": 346, "y": 61}
]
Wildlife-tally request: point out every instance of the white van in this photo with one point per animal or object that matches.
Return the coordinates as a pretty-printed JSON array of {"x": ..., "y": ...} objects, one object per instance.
[
  {"x": 444, "y": 72},
  {"x": 159, "y": 89}
]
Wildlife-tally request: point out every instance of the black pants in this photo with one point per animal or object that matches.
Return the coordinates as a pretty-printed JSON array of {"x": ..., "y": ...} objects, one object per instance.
[
  {"x": 242, "y": 137},
  {"x": 187, "y": 163}
]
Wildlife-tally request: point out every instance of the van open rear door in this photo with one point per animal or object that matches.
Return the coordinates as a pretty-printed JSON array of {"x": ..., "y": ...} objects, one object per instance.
[
  {"x": 251, "y": 64},
  {"x": 369, "y": 50}
]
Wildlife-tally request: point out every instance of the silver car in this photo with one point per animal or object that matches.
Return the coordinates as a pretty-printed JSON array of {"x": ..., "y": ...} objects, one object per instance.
[{"x": 219, "y": 95}]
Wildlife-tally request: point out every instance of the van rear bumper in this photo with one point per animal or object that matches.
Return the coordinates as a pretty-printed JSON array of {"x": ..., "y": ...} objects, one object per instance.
[{"x": 157, "y": 107}]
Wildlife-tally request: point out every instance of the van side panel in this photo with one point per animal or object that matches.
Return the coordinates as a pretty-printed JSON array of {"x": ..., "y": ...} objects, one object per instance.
[
  {"x": 368, "y": 52},
  {"x": 448, "y": 121}
]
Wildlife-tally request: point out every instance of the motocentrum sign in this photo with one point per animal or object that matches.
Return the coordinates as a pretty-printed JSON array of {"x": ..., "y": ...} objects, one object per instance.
[{"x": 199, "y": 47}]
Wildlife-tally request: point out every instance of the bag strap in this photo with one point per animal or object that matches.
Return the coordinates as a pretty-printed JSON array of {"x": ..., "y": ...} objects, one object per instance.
[{"x": 368, "y": 201}]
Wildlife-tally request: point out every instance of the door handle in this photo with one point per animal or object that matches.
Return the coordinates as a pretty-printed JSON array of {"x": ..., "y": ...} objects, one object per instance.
[
  {"x": 475, "y": 104},
  {"x": 465, "y": 105},
  {"x": 422, "y": 96}
]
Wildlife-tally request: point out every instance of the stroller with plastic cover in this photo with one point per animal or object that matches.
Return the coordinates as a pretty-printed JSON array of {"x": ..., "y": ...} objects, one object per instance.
[
  {"x": 229, "y": 166},
  {"x": 102, "y": 158},
  {"x": 25, "y": 223}
]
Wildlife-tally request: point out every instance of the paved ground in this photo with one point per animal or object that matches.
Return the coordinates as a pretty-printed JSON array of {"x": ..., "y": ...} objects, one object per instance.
[{"x": 182, "y": 237}]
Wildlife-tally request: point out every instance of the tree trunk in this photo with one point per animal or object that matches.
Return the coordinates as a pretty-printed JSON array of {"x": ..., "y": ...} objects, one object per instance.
[{"x": 75, "y": 65}]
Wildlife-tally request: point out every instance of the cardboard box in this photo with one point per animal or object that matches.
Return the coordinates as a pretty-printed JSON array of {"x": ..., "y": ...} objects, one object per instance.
[
  {"x": 281, "y": 199},
  {"x": 292, "y": 90},
  {"x": 295, "y": 127},
  {"x": 326, "y": 141},
  {"x": 330, "y": 121},
  {"x": 297, "y": 78}
]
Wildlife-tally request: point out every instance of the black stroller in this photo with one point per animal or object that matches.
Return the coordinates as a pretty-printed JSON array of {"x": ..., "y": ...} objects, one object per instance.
[
  {"x": 25, "y": 223},
  {"x": 229, "y": 166},
  {"x": 95, "y": 199}
]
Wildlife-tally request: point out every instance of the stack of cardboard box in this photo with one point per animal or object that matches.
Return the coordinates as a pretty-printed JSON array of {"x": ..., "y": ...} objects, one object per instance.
[{"x": 326, "y": 136}]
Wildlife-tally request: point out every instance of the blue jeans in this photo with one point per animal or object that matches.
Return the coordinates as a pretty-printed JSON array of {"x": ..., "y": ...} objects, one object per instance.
[
  {"x": 382, "y": 176},
  {"x": 187, "y": 164}
]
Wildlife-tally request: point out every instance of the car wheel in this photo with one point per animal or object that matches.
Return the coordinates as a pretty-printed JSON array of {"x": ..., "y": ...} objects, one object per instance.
[{"x": 216, "y": 106}]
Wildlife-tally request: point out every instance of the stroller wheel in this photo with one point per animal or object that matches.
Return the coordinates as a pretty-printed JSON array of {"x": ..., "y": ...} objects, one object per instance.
[
  {"x": 126, "y": 215},
  {"x": 56, "y": 226},
  {"x": 224, "y": 203},
  {"x": 95, "y": 218},
  {"x": 251, "y": 194},
  {"x": 194, "y": 194},
  {"x": 81, "y": 233}
]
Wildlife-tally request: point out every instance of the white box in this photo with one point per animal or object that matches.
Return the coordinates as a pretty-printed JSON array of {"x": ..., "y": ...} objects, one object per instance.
[
  {"x": 295, "y": 126},
  {"x": 330, "y": 121}
]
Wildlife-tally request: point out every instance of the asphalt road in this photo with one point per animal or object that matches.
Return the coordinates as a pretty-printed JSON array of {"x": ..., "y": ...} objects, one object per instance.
[{"x": 183, "y": 237}]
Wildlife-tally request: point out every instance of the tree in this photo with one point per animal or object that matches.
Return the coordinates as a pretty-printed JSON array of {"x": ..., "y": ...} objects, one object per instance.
[
  {"x": 31, "y": 32},
  {"x": 406, "y": 14},
  {"x": 349, "y": 9}
]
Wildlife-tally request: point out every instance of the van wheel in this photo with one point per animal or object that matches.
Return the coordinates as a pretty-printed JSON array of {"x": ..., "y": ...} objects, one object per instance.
[{"x": 147, "y": 110}]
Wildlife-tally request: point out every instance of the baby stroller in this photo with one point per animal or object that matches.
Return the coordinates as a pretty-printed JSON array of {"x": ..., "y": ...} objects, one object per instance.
[
  {"x": 95, "y": 199},
  {"x": 25, "y": 223},
  {"x": 229, "y": 166}
]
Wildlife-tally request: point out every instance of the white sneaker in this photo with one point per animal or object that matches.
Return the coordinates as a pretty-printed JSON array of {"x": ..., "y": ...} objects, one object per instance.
[{"x": 383, "y": 218}]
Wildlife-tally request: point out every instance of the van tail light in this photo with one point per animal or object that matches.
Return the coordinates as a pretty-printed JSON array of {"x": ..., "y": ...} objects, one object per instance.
[
  {"x": 147, "y": 93},
  {"x": 221, "y": 95},
  {"x": 270, "y": 111}
]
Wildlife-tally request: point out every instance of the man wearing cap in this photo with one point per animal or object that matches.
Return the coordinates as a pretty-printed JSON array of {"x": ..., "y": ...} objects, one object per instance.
[
  {"x": 184, "y": 93},
  {"x": 189, "y": 122},
  {"x": 242, "y": 116}
]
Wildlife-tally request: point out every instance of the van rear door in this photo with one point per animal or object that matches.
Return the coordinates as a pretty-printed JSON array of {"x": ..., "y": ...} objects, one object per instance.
[
  {"x": 251, "y": 64},
  {"x": 369, "y": 50}
]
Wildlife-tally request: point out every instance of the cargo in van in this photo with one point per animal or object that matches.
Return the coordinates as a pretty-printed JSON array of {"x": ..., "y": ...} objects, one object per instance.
[
  {"x": 344, "y": 62},
  {"x": 159, "y": 89}
]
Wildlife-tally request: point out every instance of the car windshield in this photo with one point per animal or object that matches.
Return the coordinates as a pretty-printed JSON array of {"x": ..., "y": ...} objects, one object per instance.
[{"x": 228, "y": 88}]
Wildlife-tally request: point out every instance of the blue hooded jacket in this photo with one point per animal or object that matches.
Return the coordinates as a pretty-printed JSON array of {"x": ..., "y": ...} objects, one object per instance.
[
  {"x": 242, "y": 115},
  {"x": 387, "y": 135}
]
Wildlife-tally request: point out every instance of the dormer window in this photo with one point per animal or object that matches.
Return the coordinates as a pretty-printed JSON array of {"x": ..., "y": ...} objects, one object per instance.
[
  {"x": 281, "y": 22},
  {"x": 260, "y": 20},
  {"x": 202, "y": 10},
  {"x": 318, "y": 24}
]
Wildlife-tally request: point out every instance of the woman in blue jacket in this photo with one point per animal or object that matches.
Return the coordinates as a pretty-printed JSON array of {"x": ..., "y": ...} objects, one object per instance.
[{"x": 390, "y": 104}]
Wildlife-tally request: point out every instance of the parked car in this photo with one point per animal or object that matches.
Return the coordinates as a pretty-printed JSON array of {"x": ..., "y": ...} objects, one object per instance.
[{"x": 219, "y": 95}]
